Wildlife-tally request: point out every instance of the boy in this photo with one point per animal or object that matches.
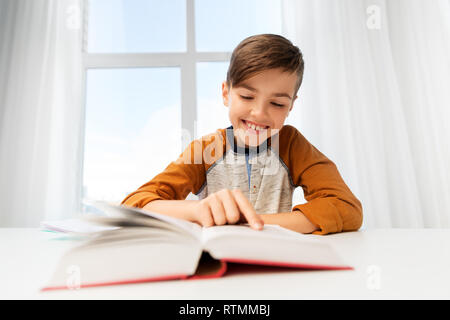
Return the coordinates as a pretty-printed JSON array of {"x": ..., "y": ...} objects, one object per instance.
[{"x": 248, "y": 172}]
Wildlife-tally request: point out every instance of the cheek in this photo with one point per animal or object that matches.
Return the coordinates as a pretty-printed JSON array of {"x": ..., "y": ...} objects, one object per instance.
[
  {"x": 234, "y": 114},
  {"x": 278, "y": 118},
  {"x": 236, "y": 109}
]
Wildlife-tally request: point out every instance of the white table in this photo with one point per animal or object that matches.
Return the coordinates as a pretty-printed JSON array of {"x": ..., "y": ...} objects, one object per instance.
[{"x": 389, "y": 264}]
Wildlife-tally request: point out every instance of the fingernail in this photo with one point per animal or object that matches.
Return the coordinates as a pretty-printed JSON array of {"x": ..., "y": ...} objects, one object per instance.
[{"x": 258, "y": 225}]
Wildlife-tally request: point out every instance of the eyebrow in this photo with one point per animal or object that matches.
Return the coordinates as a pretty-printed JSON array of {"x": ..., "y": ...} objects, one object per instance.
[{"x": 282, "y": 94}]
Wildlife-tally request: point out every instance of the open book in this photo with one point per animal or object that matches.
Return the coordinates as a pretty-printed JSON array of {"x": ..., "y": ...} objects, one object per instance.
[{"x": 131, "y": 245}]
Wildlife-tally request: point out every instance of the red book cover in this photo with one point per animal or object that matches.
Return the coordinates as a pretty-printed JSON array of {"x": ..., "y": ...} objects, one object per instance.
[{"x": 210, "y": 268}]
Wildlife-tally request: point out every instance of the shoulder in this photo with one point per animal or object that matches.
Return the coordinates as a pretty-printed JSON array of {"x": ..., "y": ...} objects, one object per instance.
[
  {"x": 216, "y": 137},
  {"x": 207, "y": 149},
  {"x": 293, "y": 146},
  {"x": 219, "y": 134},
  {"x": 214, "y": 141},
  {"x": 288, "y": 130},
  {"x": 290, "y": 136}
]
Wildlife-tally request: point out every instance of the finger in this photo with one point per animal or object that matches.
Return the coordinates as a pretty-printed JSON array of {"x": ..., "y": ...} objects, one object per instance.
[
  {"x": 232, "y": 213},
  {"x": 247, "y": 210},
  {"x": 218, "y": 212},
  {"x": 206, "y": 219}
]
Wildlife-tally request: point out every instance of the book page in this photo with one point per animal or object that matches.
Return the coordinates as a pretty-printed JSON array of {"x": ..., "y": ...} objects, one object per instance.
[
  {"x": 138, "y": 214},
  {"x": 78, "y": 226},
  {"x": 273, "y": 245},
  {"x": 268, "y": 231},
  {"x": 124, "y": 255}
]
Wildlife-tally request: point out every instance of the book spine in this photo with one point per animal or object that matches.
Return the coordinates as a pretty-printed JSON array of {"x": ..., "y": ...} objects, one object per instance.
[{"x": 218, "y": 274}]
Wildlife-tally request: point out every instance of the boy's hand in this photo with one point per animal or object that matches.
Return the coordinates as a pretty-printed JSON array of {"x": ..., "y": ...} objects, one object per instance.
[{"x": 226, "y": 207}]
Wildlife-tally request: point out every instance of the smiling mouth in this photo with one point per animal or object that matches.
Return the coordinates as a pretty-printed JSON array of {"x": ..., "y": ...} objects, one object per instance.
[{"x": 253, "y": 127}]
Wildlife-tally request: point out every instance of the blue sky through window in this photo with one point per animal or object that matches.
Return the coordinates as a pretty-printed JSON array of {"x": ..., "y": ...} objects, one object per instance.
[
  {"x": 132, "y": 116},
  {"x": 221, "y": 25},
  {"x": 117, "y": 26}
]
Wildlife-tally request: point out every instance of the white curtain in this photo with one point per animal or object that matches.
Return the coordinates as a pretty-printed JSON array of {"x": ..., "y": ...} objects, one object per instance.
[
  {"x": 40, "y": 110},
  {"x": 376, "y": 100}
]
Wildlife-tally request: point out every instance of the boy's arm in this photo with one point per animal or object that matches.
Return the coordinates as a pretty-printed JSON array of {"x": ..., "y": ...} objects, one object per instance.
[
  {"x": 331, "y": 206},
  {"x": 295, "y": 222},
  {"x": 181, "y": 209},
  {"x": 186, "y": 174}
]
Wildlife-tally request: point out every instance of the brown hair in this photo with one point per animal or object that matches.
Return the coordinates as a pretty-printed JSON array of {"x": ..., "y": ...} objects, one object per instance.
[{"x": 262, "y": 52}]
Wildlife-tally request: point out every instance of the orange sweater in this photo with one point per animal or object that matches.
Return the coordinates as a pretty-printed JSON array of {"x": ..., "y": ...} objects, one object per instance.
[{"x": 267, "y": 175}]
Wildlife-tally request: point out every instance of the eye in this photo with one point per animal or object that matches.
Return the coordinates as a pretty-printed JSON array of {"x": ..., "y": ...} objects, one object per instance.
[{"x": 274, "y": 103}]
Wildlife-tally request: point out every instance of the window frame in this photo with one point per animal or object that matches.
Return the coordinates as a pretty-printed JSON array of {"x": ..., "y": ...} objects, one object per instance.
[{"x": 186, "y": 61}]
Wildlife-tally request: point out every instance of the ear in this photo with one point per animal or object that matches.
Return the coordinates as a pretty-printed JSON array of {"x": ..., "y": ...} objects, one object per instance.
[{"x": 225, "y": 93}]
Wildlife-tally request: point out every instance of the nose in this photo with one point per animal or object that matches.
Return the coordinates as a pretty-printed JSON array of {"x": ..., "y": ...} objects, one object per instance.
[{"x": 259, "y": 111}]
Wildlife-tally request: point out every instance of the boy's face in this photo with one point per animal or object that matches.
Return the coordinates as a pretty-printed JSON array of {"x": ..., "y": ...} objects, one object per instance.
[{"x": 263, "y": 100}]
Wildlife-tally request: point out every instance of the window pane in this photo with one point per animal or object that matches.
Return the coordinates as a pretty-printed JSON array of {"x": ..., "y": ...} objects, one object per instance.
[
  {"x": 211, "y": 112},
  {"x": 221, "y": 25},
  {"x": 129, "y": 135},
  {"x": 137, "y": 26}
]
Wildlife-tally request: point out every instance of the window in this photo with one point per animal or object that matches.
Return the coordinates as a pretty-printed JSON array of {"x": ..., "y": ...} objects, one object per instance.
[
  {"x": 221, "y": 25},
  {"x": 132, "y": 26},
  {"x": 211, "y": 113},
  {"x": 126, "y": 124},
  {"x": 153, "y": 74}
]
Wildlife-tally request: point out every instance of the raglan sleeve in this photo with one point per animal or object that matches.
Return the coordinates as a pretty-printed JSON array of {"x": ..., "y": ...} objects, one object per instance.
[
  {"x": 186, "y": 174},
  {"x": 330, "y": 203}
]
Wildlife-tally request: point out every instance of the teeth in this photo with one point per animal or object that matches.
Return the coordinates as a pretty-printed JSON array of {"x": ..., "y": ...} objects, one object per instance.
[{"x": 254, "y": 127}]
